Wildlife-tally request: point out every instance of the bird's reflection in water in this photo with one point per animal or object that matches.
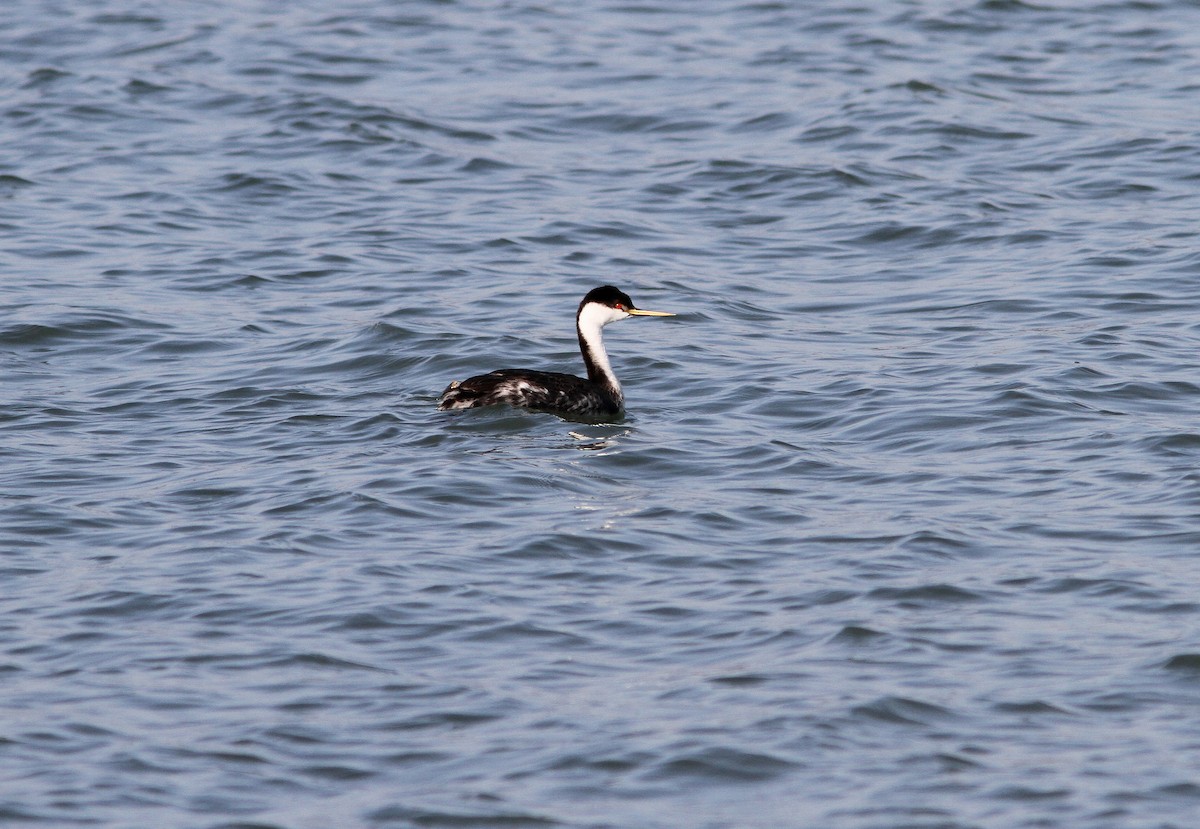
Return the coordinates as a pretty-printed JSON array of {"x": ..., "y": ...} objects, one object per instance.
[{"x": 595, "y": 443}]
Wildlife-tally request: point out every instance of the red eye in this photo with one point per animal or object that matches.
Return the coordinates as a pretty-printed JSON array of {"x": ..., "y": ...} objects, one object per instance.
[{"x": 619, "y": 307}]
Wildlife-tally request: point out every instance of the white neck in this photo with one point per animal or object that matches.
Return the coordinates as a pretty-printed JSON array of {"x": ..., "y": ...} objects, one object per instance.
[{"x": 592, "y": 319}]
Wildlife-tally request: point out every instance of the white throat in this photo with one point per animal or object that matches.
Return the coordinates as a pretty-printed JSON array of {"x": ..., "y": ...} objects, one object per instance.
[{"x": 592, "y": 319}]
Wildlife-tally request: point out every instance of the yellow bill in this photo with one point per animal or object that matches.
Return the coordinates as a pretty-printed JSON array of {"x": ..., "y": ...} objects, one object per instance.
[{"x": 638, "y": 312}]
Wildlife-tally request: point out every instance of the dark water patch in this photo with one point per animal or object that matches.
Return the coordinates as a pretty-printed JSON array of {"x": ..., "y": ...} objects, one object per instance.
[
  {"x": 1025, "y": 793},
  {"x": 1185, "y": 790},
  {"x": 1033, "y": 708},
  {"x": 903, "y": 711},
  {"x": 740, "y": 680},
  {"x": 454, "y": 819},
  {"x": 444, "y": 720},
  {"x": 1184, "y": 664},
  {"x": 124, "y": 604},
  {"x": 765, "y": 123},
  {"x": 924, "y": 595},
  {"x": 1098, "y": 587},
  {"x": 485, "y": 165},
  {"x": 1184, "y": 444},
  {"x": 10, "y": 185},
  {"x": 45, "y": 76},
  {"x": 318, "y": 660},
  {"x": 721, "y": 765},
  {"x": 943, "y": 544},
  {"x": 858, "y": 635},
  {"x": 628, "y": 123},
  {"x": 256, "y": 186},
  {"x": 962, "y": 131}
]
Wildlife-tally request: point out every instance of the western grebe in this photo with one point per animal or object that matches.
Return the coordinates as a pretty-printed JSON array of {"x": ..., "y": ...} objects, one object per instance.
[{"x": 598, "y": 395}]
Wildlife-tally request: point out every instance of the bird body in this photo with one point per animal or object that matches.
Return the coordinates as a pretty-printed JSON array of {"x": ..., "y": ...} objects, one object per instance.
[
  {"x": 528, "y": 389},
  {"x": 597, "y": 395}
]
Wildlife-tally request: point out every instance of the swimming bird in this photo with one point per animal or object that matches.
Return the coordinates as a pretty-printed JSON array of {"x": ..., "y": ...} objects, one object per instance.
[{"x": 596, "y": 396}]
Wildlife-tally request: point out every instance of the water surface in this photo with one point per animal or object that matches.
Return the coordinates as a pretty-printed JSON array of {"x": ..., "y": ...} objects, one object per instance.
[{"x": 900, "y": 528}]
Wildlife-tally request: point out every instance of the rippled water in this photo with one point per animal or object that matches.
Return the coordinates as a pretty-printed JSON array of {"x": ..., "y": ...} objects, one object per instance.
[{"x": 901, "y": 528}]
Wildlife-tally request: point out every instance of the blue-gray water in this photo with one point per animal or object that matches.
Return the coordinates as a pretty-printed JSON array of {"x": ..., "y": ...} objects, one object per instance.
[{"x": 902, "y": 528}]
